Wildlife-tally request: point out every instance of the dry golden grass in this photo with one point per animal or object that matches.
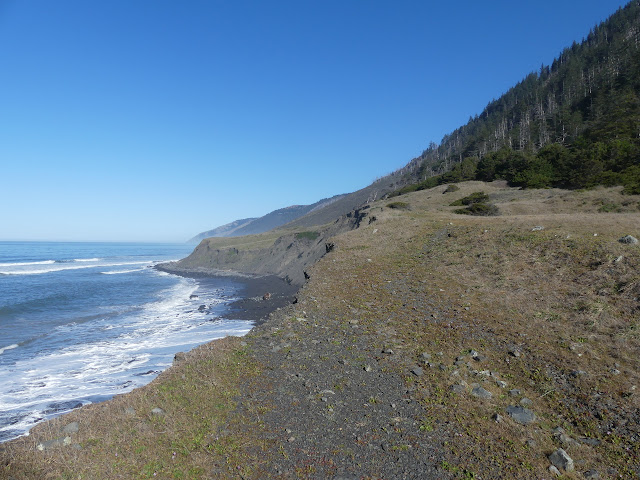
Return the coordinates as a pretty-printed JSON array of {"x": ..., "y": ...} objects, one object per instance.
[
  {"x": 427, "y": 280},
  {"x": 422, "y": 279},
  {"x": 122, "y": 438}
]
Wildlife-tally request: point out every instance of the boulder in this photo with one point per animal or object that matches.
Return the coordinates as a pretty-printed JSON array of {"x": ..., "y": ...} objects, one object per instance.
[
  {"x": 71, "y": 428},
  {"x": 561, "y": 460},
  {"x": 521, "y": 415},
  {"x": 628, "y": 239},
  {"x": 56, "y": 442},
  {"x": 480, "y": 392}
]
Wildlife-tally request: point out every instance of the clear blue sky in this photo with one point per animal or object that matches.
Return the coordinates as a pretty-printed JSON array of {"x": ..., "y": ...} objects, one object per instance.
[{"x": 154, "y": 120}]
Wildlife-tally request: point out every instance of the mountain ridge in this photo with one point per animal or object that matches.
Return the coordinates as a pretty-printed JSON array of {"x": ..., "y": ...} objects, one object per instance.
[{"x": 273, "y": 219}]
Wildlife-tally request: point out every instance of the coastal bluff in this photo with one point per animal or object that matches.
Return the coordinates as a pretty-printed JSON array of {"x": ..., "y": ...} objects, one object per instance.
[
  {"x": 285, "y": 252},
  {"x": 425, "y": 344}
]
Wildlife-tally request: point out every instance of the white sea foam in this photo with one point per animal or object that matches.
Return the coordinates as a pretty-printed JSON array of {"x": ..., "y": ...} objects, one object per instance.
[
  {"x": 117, "y": 272},
  {"x": 22, "y": 264},
  {"x": 58, "y": 267},
  {"x": 87, "y": 259},
  {"x": 10, "y": 347},
  {"x": 140, "y": 343}
]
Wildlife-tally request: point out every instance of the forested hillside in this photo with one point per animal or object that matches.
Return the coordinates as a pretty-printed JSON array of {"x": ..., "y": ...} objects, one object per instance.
[{"x": 574, "y": 124}]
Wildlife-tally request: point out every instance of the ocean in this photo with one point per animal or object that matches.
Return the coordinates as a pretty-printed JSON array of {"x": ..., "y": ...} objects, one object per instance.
[{"x": 82, "y": 322}]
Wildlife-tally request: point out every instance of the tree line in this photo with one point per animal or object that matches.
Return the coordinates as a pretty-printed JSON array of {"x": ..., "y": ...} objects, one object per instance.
[{"x": 572, "y": 124}]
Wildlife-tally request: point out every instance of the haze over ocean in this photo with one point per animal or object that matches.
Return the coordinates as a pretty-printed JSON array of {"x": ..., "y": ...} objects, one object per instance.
[{"x": 81, "y": 322}]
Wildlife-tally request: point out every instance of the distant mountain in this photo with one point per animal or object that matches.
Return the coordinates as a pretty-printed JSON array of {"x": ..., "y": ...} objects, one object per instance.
[
  {"x": 277, "y": 218},
  {"x": 223, "y": 231}
]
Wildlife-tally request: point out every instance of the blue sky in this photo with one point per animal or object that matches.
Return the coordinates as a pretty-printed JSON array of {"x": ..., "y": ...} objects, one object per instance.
[{"x": 154, "y": 120}]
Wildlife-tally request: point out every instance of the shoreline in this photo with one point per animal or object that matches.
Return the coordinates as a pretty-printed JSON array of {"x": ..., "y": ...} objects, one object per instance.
[{"x": 251, "y": 305}]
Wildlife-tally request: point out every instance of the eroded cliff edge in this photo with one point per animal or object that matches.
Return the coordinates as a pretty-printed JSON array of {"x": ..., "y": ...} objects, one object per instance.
[{"x": 285, "y": 252}]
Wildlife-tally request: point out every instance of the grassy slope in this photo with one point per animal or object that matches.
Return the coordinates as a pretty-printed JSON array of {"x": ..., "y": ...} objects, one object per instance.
[{"x": 563, "y": 297}]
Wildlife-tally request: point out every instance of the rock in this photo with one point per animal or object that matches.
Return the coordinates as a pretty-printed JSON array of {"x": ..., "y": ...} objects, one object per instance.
[
  {"x": 130, "y": 411},
  {"x": 71, "y": 428},
  {"x": 501, "y": 384},
  {"x": 525, "y": 402},
  {"x": 179, "y": 357},
  {"x": 425, "y": 356},
  {"x": 561, "y": 460},
  {"x": 387, "y": 351},
  {"x": 417, "y": 371},
  {"x": 480, "y": 392},
  {"x": 497, "y": 418},
  {"x": 594, "y": 442},
  {"x": 554, "y": 470},
  {"x": 591, "y": 475},
  {"x": 367, "y": 368},
  {"x": 537, "y": 228},
  {"x": 514, "y": 392},
  {"x": 567, "y": 440},
  {"x": 193, "y": 297},
  {"x": 202, "y": 308},
  {"x": 628, "y": 239},
  {"x": 157, "y": 411},
  {"x": 521, "y": 415},
  {"x": 477, "y": 357},
  {"x": 56, "y": 442},
  {"x": 457, "y": 388},
  {"x": 514, "y": 352}
]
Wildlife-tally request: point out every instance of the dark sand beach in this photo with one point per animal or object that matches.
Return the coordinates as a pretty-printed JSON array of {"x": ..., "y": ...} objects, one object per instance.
[{"x": 259, "y": 294}]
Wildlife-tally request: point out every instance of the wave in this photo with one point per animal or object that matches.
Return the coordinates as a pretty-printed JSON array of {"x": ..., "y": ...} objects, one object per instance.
[
  {"x": 117, "y": 351},
  {"x": 87, "y": 259},
  {"x": 117, "y": 272},
  {"x": 22, "y": 264},
  {"x": 10, "y": 347},
  {"x": 57, "y": 267}
]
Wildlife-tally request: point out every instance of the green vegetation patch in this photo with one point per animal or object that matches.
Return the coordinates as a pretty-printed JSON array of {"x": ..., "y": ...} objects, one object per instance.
[
  {"x": 475, "y": 197},
  {"x": 307, "y": 235},
  {"x": 398, "y": 205},
  {"x": 451, "y": 188},
  {"x": 479, "y": 209}
]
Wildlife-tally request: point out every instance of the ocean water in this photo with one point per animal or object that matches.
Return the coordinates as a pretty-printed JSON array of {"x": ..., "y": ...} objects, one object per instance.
[{"x": 82, "y": 322}]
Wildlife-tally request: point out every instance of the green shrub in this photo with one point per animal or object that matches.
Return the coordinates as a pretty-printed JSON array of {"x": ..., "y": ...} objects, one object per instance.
[
  {"x": 398, "y": 205},
  {"x": 479, "y": 209},
  {"x": 475, "y": 197},
  {"x": 451, "y": 188}
]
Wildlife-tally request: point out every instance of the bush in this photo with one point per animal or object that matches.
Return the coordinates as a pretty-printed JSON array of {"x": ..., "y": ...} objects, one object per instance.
[
  {"x": 479, "y": 209},
  {"x": 451, "y": 188},
  {"x": 398, "y": 205},
  {"x": 475, "y": 197}
]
